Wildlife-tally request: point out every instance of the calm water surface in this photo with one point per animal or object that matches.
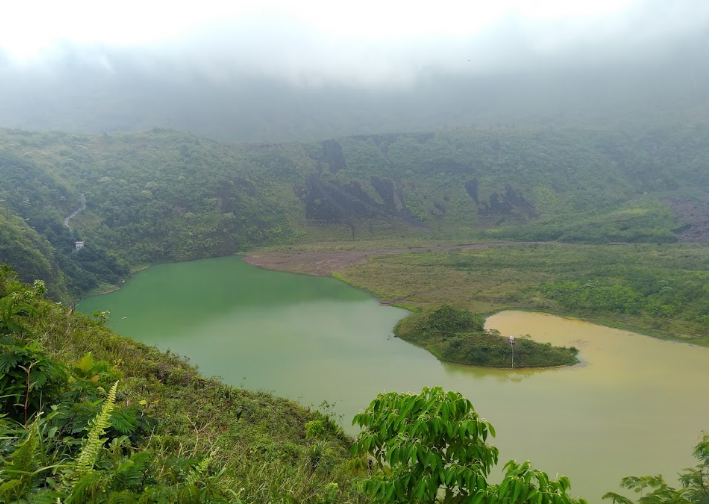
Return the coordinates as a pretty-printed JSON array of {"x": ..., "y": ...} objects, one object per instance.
[{"x": 635, "y": 406}]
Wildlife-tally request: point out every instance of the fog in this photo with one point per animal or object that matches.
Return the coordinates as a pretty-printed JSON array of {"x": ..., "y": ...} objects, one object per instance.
[{"x": 274, "y": 74}]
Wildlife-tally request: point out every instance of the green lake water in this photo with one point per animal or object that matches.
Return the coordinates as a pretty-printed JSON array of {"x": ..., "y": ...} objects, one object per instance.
[{"x": 635, "y": 406}]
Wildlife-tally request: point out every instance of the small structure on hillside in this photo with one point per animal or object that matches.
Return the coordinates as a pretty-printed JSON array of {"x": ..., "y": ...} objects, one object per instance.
[{"x": 79, "y": 245}]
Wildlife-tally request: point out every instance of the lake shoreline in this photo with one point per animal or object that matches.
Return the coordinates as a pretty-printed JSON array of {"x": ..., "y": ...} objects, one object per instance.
[
  {"x": 458, "y": 336},
  {"x": 282, "y": 265},
  {"x": 312, "y": 339},
  {"x": 607, "y": 322}
]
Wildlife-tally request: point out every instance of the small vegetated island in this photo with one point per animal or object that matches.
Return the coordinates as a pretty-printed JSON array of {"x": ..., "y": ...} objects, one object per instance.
[{"x": 457, "y": 335}]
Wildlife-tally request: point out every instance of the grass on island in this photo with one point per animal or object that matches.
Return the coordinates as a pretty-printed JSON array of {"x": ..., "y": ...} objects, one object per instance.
[{"x": 457, "y": 335}]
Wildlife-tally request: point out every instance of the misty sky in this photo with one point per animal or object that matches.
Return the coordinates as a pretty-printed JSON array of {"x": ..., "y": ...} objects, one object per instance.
[
  {"x": 284, "y": 70},
  {"x": 368, "y": 42}
]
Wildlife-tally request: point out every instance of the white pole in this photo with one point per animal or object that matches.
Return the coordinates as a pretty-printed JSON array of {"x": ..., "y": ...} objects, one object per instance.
[{"x": 512, "y": 347}]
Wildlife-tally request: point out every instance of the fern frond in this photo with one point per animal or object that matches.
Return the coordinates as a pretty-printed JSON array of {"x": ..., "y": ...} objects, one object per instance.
[
  {"x": 157, "y": 495},
  {"x": 92, "y": 447},
  {"x": 123, "y": 497},
  {"x": 10, "y": 490},
  {"x": 124, "y": 421},
  {"x": 188, "y": 495},
  {"x": 8, "y": 359},
  {"x": 7, "y": 340},
  {"x": 131, "y": 473},
  {"x": 21, "y": 466},
  {"x": 199, "y": 469},
  {"x": 39, "y": 378},
  {"x": 47, "y": 497},
  {"x": 86, "y": 488}
]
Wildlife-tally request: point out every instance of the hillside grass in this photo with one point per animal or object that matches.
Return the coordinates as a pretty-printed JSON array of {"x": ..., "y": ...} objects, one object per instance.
[
  {"x": 659, "y": 290},
  {"x": 382, "y": 243},
  {"x": 269, "y": 449}
]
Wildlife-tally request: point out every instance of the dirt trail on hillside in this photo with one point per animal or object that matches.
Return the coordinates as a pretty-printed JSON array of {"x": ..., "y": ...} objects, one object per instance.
[
  {"x": 75, "y": 213},
  {"x": 325, "y": 263}
]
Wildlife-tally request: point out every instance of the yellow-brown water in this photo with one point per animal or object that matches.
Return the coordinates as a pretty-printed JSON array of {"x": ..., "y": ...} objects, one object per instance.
[{"x": 635, "y": 406}]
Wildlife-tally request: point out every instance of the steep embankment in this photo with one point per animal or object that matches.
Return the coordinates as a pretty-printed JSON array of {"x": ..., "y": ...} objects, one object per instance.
[
  {"x": 169, "y": 196},
  {"x": 173, "y": 436}
]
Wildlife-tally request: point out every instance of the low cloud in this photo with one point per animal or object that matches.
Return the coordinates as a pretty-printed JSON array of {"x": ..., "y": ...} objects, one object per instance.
[
  {"x": 276, "y": 46},
  {"x": 272, "y": 77}
]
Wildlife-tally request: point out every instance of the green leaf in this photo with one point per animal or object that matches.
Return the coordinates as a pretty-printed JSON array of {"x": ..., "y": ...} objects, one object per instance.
[{"x": 517, "y": 491}]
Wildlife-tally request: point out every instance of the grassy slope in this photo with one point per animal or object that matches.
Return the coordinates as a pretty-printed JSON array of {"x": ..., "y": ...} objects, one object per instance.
[
  {"x": 261, "y": 439},
  {"x": 658, "y": 290},
  {"x": 26, "y": 250}
]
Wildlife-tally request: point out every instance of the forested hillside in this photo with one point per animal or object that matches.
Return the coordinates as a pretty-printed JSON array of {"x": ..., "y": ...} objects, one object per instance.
[{"x": 163, "y": 195}]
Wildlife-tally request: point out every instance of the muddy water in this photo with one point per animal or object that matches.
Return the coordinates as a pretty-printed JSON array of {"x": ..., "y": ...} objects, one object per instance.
[{"x": 634, "y": 407}]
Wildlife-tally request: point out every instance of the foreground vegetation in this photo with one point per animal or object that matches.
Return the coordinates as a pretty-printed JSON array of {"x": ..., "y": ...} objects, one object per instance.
[
  {"x": 658, "y": 290},
  {"x": 168, "y": 196},
  {"x": 90, "y": 417},
  {"x": 432, "y": 447},
  {"x": 164, "y": 434},
  {"x": 694, "y": 483},
  {"x": 87, "y": 416},
  {"x": 457, "y": 335}
]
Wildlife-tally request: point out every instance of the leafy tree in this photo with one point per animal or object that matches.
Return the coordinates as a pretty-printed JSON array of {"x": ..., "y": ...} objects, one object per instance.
[
  {"x": 457, "y": 335},
  {"x": 16, "y": 305},
  {"x": 694, "y": 483},
  {"x": 446, "y": 320},
  {"x": 28, "y": 379},
  {"x": 432, "y": 447}
]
